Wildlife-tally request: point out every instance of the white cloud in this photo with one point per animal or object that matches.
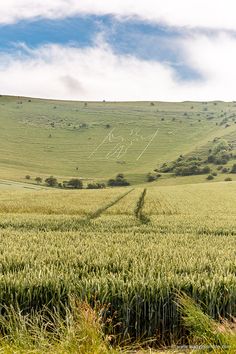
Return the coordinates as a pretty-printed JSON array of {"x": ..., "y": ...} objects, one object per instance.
[
  {"x": 214, "y": 14},
  {"x": 97, "y": 73},
  {"x": 91, "y": 74}
]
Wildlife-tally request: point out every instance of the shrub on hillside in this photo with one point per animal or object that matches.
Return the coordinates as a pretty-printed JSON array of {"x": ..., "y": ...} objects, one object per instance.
[
  {"x": 75, "y": 183},
  {"x": 38, "y": 180},
  {"x": 225, "y": 170},
  {"x": 96, "y": 186},
  {"x": 233, "y": 169},
  {"x": 152, "y": 177},
  {"x": 118, "y": 181},
  {"x": 51, "y": 181},
  {"x": 210, "y": 177},
  {"x": 191, "y": 169}
]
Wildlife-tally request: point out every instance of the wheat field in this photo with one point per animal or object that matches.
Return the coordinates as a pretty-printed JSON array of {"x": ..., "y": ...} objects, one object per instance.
[{"x": 97, "y": 246}]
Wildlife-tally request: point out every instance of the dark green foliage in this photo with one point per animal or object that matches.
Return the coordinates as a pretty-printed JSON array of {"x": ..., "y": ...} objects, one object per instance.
[
  {"x": 206, "y": 169},
  {"x": 27, "y": 177},
  {"x": 38, "y": 180},
  {"x": 228, "y": 179},
  {"x": 119, "y": 181},
  {"x": 186, "y": 167},
  {"x": 220, "y": 153},
  {"x": 189, "y": 170},
  {"x": 210, "y": 177},
  {"x": 96, "y": 186},
  {"x": 51, "y": 181},
  {"x": 233, "y": 169},
  {"x": 152, "y": 177},
  {"x": 219, "y": 159},
  {"x": 225, "y": 170},
  {"x": 211, "y": 159},
  {"x": 75, "y": 183}
]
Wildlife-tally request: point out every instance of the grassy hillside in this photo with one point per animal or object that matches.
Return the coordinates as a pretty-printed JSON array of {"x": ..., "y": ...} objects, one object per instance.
[{"x": 97, "y": 140}]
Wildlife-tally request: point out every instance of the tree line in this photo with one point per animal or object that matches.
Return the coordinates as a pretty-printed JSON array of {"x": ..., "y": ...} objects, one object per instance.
[{"x": 76, "y": 183}]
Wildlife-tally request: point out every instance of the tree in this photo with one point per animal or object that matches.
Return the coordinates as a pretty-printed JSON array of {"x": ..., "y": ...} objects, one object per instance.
[
  {"x": 27, "y": 177},
  {"x": 222, "y": 145},
  {"x": 210, "y": 177},
  {"x": 38, "y": 180},
  {"x": 152, "y": 177},
  {"x": 118, "y": 181},
  {"x": 75, "y": 183},
  {"x": 233, "y": 169},
  {"x": 51, "y": 181},
  {"x": 206, "y": 169},
  {"x": 228, "y": 179},
  {"x": 120, "y": 176}
]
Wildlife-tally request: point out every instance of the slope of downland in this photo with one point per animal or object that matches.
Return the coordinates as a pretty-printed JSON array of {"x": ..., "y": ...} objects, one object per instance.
[{"x": 95, "y": 141}]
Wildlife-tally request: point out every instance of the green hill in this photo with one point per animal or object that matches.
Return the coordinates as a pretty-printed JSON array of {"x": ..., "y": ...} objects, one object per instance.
[{"x": 97, "y": 140}]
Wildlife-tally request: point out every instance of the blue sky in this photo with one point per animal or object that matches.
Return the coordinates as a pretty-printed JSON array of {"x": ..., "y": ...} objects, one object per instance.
[
  {"x": 90, "y": 49},
  {"x": 144, "y": 40}
]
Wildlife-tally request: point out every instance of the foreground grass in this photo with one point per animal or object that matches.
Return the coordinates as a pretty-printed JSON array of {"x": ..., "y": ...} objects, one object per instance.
[
  {"x": 79, "y": 331},
  {"x": 206, "y": 333}
]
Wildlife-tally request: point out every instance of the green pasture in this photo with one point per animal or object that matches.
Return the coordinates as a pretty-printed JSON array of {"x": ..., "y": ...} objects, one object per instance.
[{"x": 98, "y": 140}]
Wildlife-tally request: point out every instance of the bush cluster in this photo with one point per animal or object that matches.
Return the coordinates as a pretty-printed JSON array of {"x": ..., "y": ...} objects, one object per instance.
[
  {"x": 186, "y": 167},
  {"x": 76, "y": 183},
  {"x": 96, "y": 186},
  {"x": 119, "y": 181},
  {"x": 221, "y": 152},
  {"x": 151, "y": 177}
]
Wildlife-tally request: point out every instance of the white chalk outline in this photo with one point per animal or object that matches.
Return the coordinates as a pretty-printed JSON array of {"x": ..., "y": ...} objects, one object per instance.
[
  {"x": 108, "y": 135},
  {"x": 118, "y": 151},
  {"x": 121, "y": 149},
  {"x": 149, "y": 143}
]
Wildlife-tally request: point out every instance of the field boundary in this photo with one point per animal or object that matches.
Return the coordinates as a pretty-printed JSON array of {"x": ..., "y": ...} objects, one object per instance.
[
  {"x": 71, "y": 224},
  {"x": 99, "y": 211},
  {"x": 138, "y": 211}
]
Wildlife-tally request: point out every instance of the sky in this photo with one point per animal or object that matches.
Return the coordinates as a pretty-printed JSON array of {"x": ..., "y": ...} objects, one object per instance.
[{"x": 119, "y": 50}]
